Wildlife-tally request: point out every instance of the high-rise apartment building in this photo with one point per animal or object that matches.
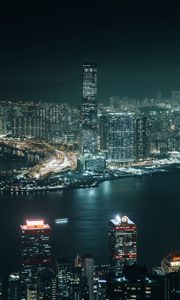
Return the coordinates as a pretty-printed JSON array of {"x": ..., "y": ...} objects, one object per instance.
[
  {"x": 35, "y": 251},
  {"x": 118, "y": 136},
  {"x": 122, "y": 242},
  {"x": 141, "y": 137},
  {"x": 46, "y": 121},
  {"x": 89, "y": 109}
]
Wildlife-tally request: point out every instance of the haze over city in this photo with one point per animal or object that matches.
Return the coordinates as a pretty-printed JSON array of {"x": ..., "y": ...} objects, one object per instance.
[{"x": 43, "y": 44}]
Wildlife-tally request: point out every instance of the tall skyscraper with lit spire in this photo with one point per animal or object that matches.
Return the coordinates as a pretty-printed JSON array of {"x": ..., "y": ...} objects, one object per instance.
[
  {"x": 35, "y": 252},
  {"x": 122, "y": 242},
  {"x": 89, "y": 109}
]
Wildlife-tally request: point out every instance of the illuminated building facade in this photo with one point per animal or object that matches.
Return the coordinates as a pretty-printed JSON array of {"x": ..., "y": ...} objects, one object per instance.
[
  {"x": 91, "y": 163},
  {"x": 47, "y": 285},
  {"x": 141, "y": 138},
  {"x": 122, "y": 243},
  {"x": 89, "y": 272},
  {"x": 14, "y": 286},
  {"x": 118, "y": 136},
  {"x": 89, "y": 109},
  {"x": 35, "y": 251},
  {"x": 170, "y": 263},
  {"x": 65, "y": 278},
  {"x": 45, "y": 121}
]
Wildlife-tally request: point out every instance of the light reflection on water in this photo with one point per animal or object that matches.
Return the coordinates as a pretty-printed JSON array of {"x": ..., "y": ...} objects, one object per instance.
[{"x": 152, "y": 203}]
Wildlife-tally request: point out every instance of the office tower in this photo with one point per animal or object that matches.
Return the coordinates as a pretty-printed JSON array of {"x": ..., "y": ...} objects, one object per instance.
[
  {"x": 118, "y": 136},
  {"x": 14, "y": 286},
  {"x": 65, "y": 278},
  {"x": 35, "y": 251},
  {"x": 101, "y": 289},
  {"x": 47, "y": 285},
  {"x": 170, "y": 263},
  {"x": 101, "y": 273},
  {"x": 89, "y": 109},
  {"x": 82, "y": 283},
  {"x": 135, "y": 283},
  {"x": 122, "y": 243},
  {"x": 88, "y": 267}
]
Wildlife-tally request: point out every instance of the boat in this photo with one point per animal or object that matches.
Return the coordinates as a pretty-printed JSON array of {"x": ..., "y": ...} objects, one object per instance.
[{"x": 61, "y": 221}]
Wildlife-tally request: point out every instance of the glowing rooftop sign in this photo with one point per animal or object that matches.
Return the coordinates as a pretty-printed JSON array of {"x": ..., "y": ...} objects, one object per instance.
[
  {"x": 124, "y": 219},
  {"x": 35, "y": 224},
  {"x": 121, "y": 220},
  {"x": 118, "y": 218}
]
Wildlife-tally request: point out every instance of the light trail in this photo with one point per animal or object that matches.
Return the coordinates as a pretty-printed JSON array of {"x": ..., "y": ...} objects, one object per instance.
[{"x": 55, "y": 160}]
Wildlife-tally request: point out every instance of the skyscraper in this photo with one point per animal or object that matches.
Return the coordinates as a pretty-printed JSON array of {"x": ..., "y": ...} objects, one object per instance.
[
  {"x": 118, "y": 136},
  {"x": 14, "y": 286},
  {"x": 35, "y": 251},
  {"x": 122, "y": 242},
  {"x": 64, "y": 276},
  {"x": 47, "y": 285},
  {"x": 89, "y": 109},
  {"x": 89, "y": 272}
]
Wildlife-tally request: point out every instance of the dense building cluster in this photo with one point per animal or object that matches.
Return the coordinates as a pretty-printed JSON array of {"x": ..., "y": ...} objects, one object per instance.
[
  {"x": 44, "y": 121},
  {"x": 42, "y": 276},
  {"x": 123, "y": 131}
]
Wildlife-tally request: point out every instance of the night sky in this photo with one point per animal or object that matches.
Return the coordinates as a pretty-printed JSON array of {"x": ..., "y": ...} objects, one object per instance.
[{"x": 136, "y": 45}]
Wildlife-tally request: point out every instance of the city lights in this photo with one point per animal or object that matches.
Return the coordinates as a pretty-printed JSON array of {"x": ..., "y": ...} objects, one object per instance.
[{"x": 90, "y": 150}]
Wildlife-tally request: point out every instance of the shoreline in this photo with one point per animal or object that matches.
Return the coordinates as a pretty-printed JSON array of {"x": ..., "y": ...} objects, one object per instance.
[{"x": 93, "y": 181}]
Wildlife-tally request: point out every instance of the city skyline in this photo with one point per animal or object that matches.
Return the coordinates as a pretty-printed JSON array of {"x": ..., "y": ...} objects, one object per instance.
[
  {"x": 81, "y": 276},
  {"x": 89, "y": 150}
]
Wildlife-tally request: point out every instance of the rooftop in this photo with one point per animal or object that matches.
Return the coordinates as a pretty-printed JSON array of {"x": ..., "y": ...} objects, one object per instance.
[
  {"x": 173, "y": 257},
  {"x": 34, "y": 224},
  {"x": 121, "y": 220}
]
